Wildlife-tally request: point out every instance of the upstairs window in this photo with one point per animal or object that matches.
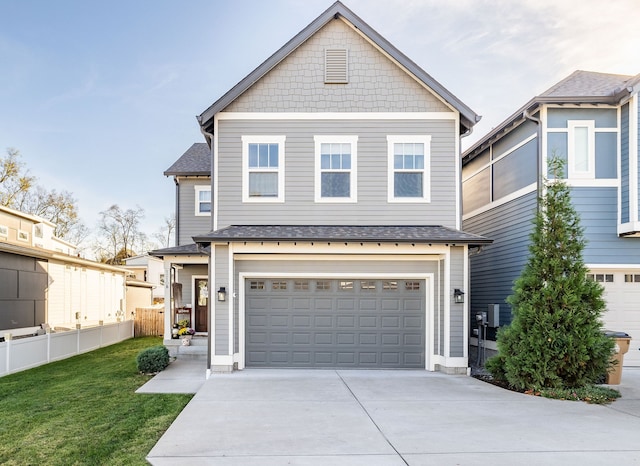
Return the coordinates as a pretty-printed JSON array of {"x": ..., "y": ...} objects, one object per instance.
[
  {"x": 581, "y": 149},
  {"x": 263, "y": 168},
  {"x": 336, "y": 174},
  {"x": 203, "y": 200},
  {"x": 409, "y": 176}
]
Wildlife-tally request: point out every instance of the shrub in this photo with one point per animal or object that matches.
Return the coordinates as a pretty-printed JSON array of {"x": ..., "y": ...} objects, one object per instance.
[{"x": 152, "y": 360}]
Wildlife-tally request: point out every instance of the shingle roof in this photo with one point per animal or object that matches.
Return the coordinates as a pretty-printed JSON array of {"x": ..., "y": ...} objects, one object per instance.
[
  {"x": 580, "y": 87},
  {"x": 185, "y": 250},
  {"x": 588, "y": 84},
  {"x": 468, "y": 118},
  {"x": 348, "y": 233},
  {"x": 196, "y": 161}
]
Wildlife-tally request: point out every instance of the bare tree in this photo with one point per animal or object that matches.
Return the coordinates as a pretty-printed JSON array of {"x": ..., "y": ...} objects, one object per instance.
[
  {"x": 165, "y": 233},
  {"x": 119, "y": 234},
  {"x": 18, "y": 190}
]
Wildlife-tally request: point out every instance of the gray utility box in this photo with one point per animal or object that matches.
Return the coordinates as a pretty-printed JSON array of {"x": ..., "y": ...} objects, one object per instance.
[{"x": 493, "y": 315}]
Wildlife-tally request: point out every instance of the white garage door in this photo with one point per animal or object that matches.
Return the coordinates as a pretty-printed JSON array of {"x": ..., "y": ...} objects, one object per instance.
[{"x": 622, "y": 293}]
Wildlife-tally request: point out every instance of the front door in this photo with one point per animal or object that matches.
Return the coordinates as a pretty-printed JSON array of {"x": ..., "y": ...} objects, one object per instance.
[{"x": 202, "y": 296}]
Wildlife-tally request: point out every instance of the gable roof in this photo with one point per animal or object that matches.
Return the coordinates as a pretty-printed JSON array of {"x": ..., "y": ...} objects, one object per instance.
[
  {"x": 580, "y": 87},
  {"x": 468, "y": 118},
  {"x": 196, "y": 161}
]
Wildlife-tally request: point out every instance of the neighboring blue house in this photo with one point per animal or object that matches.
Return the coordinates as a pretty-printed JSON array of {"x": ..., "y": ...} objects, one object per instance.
[
  {"x": 332, "y": 222},
  {"x": 591, "y": 121}
]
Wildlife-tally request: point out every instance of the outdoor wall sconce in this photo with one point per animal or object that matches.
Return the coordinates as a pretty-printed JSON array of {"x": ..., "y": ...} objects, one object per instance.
[
  {"x": 222, "y": 294},
  {"x": 458, "y": 296}
]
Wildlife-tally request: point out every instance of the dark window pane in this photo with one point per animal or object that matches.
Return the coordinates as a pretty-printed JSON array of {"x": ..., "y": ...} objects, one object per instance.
[
  {"x": 335, "y": 185},
  {"x": 408, "y": 185},
  {"x": 263, "y": 184}
]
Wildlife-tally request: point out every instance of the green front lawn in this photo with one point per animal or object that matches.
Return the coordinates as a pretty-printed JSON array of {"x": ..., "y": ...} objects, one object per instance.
[{"x": 84, "y": 410}]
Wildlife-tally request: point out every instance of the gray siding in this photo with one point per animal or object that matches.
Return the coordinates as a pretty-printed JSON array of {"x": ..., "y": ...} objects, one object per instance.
[
  {"x": 23, "y": 285},
  {"x": 604, "y": 118},
  {"x": 190, "y": 224},
  {"x": 457, "y": 338},
  {"x": 185, "y": 276},
  {"x": 598, "y": 216},
  {"x": 515, "y": 171},
  {"x": 624, "y": 163},
  {"x": 372, "y": 207},
  {"x": 606, "y": 155},
  {"x": 476, "y": 191},
  {"x": 376, "y": 84},
  {"x": 494, "y": 269},
  {"x": 513, "y": 138},
  {"x": 221, "y": 278}
]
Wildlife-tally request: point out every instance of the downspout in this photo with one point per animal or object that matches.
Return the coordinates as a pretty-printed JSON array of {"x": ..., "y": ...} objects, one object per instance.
[
  {"x": 538, "y": 122},
  {"x": 177, "y": 210},
  {"x": 209, "y": 137}
]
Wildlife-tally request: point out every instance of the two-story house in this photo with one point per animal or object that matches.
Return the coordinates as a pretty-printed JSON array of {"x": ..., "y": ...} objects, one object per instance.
[
  {"x": 335, "y": 231},
  {"x": 590, "y": 120}
]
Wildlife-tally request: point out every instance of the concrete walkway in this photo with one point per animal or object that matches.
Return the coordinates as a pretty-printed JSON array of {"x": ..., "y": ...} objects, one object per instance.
[{"x": 326, "y": 417}]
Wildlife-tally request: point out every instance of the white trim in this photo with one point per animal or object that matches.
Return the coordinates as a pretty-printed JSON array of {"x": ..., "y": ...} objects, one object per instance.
[
  {"x": 339, "y": 247},
  {"x": 429, "y": 287},
  {"x": 593, "y": 183},
  {"x": 353, "y": 171},
  {"x": 633, "y": 159},
  {"x": 4, "y": 231},
  {"x": 341, "y": 257},
  {"x": 458, "y": 171},
  {"x": 267, "y": 139},
  {"x": 572, "y": 172},
  {"x": 424, "y": 139},
  {"x": 23, "y": 235},
  {"x": 503, "y": 200},
  {"x": 215, "y": 193},
  {"x": 193, "y": 297},
  {"x": 619, "y": 166},
  {"x": 212, "y": 305},
  {"x": 222, "y": 360},
  {"x": 621, "y": 267},
  {"x": 337, "y": 116},
  {"x": 198, "y": 188},
  {"x": 544, "y": 163}
]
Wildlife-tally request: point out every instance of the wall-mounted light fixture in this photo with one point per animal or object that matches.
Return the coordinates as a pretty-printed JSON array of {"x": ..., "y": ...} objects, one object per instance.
[
  {"x": 222, "y": 294},
  {"x": 458, "y": 296}
]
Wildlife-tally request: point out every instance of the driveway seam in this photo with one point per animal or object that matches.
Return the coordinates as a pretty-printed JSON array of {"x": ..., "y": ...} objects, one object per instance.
[{"x": 371, "y": 419}]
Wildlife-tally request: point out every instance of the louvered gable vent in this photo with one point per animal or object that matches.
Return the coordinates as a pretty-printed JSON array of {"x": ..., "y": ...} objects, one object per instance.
[{"x": 336, "y": 66}]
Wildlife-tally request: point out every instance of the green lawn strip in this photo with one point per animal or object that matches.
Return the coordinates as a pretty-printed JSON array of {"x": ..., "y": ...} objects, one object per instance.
[{"x": 84, "y": 410}]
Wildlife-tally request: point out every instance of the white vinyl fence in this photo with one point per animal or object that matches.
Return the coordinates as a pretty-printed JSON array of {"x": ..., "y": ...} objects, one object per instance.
[{"x": 24, "y": 353}]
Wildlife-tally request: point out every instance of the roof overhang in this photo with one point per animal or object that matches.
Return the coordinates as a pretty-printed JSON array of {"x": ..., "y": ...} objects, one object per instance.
[{"x": 409, "y": 234}]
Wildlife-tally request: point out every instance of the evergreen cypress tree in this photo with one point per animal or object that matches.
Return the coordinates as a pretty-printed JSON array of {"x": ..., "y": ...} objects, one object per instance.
[{"x": 555, "y": 339}]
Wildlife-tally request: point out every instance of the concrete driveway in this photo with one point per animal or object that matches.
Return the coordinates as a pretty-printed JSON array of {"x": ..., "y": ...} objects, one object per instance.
[{"x": 326, "y": 417}]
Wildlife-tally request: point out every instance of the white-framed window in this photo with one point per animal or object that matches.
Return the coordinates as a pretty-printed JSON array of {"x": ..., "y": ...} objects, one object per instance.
[
  {"x": 336, "y": 173},
  {"x": 581, "y": 152},
  {"x": 203, "y": 200},
  {"x": 23, "y": 235},
  {"x": 263, "y": 168},
  {"x": 409, "y": 177},
  {"x": 4, "y": 231}
]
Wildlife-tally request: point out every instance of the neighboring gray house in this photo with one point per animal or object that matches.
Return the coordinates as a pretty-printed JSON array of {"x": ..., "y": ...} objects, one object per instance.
[
  {"x": 335, "y": 231},
  {"x": 186, "y": 265},
  {"x": 591, "y": 121}
]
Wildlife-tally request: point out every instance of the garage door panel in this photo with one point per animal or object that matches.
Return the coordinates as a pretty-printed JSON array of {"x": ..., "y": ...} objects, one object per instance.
[
  {"x": 622, "y": 295},
  {"x": 335, "y": 323}
]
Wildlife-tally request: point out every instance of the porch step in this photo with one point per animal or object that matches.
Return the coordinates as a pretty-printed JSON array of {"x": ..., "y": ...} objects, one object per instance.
[{"x": 196, "y": 350}]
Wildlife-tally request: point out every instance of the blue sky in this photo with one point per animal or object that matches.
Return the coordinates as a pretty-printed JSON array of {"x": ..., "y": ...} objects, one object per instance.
[{"x": 101, "y": 97}]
